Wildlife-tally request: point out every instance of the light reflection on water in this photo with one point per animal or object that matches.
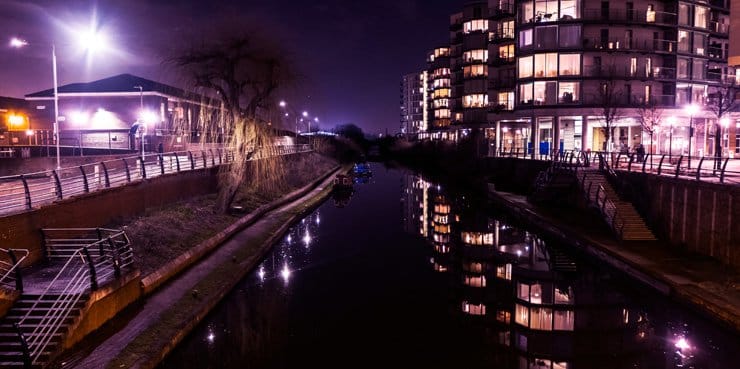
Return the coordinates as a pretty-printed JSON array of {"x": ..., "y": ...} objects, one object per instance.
[{"x": 453, "y": 284}]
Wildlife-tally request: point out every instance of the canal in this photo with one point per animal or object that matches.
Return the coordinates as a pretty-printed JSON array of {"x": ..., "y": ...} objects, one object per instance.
[{"x": 404, "y": 273}]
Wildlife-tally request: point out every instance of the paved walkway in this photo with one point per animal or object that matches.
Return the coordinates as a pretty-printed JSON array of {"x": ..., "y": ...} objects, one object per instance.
[
  {"x": 164, "y": 298},
  {"x": 702, "y": 282}
]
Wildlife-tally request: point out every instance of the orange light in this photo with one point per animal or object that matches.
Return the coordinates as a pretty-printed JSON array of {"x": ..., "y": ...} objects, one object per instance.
[{"x": 16, "y": 120}]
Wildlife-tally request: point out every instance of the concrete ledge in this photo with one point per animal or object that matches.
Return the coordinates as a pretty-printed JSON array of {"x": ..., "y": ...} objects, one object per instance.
[
  {"x": 155, "y": 279},
  {"x": 103, "y": 305}
]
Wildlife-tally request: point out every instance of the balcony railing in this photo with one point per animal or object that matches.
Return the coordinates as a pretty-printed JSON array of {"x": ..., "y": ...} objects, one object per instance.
[
  {"x": 502, "y": 9},
  {"x": 717, "y": 53},
  {"x": 626, "y": 44},
  {"x": 624, "y": 15},
  {"x": 718, "y": 27},
  {"x": 628, "y": 72},
  {"x": 501, "y": 36}
]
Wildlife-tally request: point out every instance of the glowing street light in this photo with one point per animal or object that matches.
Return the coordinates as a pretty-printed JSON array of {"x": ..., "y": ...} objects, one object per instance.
[{"x": 89, "y": 41}]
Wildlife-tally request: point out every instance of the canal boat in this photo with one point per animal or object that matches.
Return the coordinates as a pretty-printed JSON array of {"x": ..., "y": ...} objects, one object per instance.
[
  {"x": 342, "y": 181},
  {"x": 362, "y": 169}
]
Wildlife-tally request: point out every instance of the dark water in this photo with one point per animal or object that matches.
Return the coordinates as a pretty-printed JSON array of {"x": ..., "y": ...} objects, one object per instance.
[{"x": 406, "y": 275}]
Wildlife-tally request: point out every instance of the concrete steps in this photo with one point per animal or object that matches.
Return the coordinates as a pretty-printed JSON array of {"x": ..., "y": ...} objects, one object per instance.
[{"x": 11, "y": 350}]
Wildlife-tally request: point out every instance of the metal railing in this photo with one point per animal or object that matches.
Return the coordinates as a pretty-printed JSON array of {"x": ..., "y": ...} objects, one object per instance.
[
  {"x": 31, "y": 190},
  {"x": 722, "y": 170},
  {"x": 10, "y": 272},
  {"x": 85, "y": 267}
]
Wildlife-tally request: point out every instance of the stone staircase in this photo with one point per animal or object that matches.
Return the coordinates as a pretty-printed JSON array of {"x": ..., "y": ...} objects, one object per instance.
[
  {"x": 11, "y": 348},
  {"x": 628, "y": 224}
]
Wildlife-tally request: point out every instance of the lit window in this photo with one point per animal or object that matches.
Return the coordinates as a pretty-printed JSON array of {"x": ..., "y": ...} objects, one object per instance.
[
  {"x": 477, "y": 25},
  {"x": 506, "y": 52},
  {"x": 475, "y": 281},
  {"x": 473, "y": 309},
  {"x": 475, "y": 56},
  {"x": 546, "y": 65},
  {"x": 540, "y": 318},
  {"x": 570, "y": 64},
  {"x": 506, "y": 29},
  {"x": 546, "y": 10},
  {"x": 650, "y": 14},
  {"x": 535, "y": 293},
  {"x": 475, "y": 71},
  {"x": 525, "y": 38},
  {"x": 475, "y": 101},
  {"x": 523, "y": 291},
  {"x": 443, "y": 92},
  {"x": 522, "y": 315},
  {"x": 525, "y": 93},
  {"x": 564, "y": 320},
  {"x": 563, "y": 296},
  {"x": 570, "y": 9},
  {"x": 526, "y": 66},
  {"x": 569, "y": 92},
  {"x": 504, "y": 272},
  {"x": 503, "y": 316},
  {"x": 506, "y": 100},
  {"x": 701, "y": 14},
  {"x": 545, "y": 92},
  {"x": 683, "y": 41}
]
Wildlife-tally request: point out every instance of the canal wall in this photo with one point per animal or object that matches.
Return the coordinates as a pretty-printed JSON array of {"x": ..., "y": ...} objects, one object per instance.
[
  {"x": 692, "y": 216},
  {"x": 512, "y": 174}
]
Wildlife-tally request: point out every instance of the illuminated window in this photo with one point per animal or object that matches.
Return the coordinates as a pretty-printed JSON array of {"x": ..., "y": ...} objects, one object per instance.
[
  {"x": 475, "y": 71},
  {"x": 475, "y": 101},
  {"x": 477, "y": 25},
  {"x": 522, "y": 291},
  {"x": 441, "y": 52},
  {"x": 700, "y": 43},
  {"x": 504, "y": 271},
  {"x": 506, "y": 100},
  {"x": 441, "y": 103},
  {"x": 503, "y": 316},
  {"x": 475, "y": 281},
  {"x": 443, "y": 92},
  {"x": 570, "y": 64},
  {"x": 525, "y": 38},
  {"x": 506, "y": 52},
  {"x": 473, "y": 309},
  {"x": 442, "y": 113},
  {"x": 526, "y": 65},
  {"x": 683, "y": 41},
  {"x": 569, "y": 92},
  {"x": 546, "y": 65},
  {"x": 563, "y": 296},
  {"x": 683, "y": 14},
  {"x": 570, "y": 9},
  {"x": 701, "y": 14},
  {"x": 650, "y": 14},
  {"x": 506, "y": 29},
  {"x": 441, "y": 72},
  {"x": 535, "y": 293},
  {"x": 545, "y": 10},
  {"x": 545, "y": 92},
  {"x": 473, "y": 267},
  {"x": 441, "y": 208},
  {"x": 540, "y": 318},
  {"x": 444, "y": 82},
  {"x": 527, "y": 12},
  {"x": 522, "y": 315},
  {"x": 525, "y": 93},
  {"x": 564, "y": 320},
  {"x": 475, "y": 56}
]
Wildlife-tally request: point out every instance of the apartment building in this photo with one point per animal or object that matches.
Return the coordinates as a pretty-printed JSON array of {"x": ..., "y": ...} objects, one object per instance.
[
  {"x": 414, "y": 103},
  {"x": 540, "y": 76}
]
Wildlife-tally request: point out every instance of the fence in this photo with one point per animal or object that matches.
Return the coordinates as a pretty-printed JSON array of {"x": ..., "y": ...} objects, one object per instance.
[{"x": 25, "y": 191}]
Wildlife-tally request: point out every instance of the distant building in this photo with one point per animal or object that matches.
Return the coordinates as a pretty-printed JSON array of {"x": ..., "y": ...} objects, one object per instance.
[
  {"x": 113, "y": 112},
  {"x": 413, "y": 104}
]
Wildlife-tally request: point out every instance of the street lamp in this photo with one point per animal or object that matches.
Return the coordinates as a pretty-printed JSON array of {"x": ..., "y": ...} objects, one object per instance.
[
  {"x": 691, "y": 109},
  {"x": 89, "y": 41}
]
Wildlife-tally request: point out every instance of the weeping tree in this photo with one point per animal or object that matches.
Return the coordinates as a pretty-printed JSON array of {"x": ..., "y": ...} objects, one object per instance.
[
  {"x": 244, "y": 72},
  {"x": 721, "y": 102},
  {"x": 650, "y": 117}
]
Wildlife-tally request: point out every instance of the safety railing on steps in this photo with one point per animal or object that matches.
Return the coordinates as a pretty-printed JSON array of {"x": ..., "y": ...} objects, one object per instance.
[
  {"x": 84, "y": 270},
  {"x": 31, "y": 190},
  {"x": 10, "y": 271}
]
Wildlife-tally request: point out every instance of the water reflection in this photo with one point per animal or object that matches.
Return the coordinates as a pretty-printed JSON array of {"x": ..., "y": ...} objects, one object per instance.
[{"x": 542, "y": 307}]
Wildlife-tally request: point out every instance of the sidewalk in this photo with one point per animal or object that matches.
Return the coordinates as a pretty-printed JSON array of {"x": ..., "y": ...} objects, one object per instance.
[
  {"x": 169, "y": 313},
  {"x": 703, "y": 283}
]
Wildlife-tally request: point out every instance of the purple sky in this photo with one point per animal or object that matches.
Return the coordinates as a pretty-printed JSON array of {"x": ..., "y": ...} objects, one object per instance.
[{"x": 351, "y": 52}]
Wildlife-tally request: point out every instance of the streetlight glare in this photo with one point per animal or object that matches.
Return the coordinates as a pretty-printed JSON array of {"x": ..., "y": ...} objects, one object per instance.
[
  {"x": 92, "y": 41},
  {"x": 305, "y": 114},
  {"x": 282, "y": 104},
  {"x": 692, "y": 109},
  {"x": 17, "y": 42}
]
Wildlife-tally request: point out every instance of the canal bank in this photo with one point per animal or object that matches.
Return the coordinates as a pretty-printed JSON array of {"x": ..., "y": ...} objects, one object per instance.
[
  {"x": 701, "y": 283},
  {"x": 170, "y": 312}
]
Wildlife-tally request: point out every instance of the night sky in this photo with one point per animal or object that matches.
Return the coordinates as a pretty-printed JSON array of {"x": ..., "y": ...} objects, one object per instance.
[{"x": 351, "y": 53}]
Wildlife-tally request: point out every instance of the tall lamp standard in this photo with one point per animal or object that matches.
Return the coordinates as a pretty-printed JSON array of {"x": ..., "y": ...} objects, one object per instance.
[
  {"x": 89, "y": 41},
  {"x": 691, "y": 109}
]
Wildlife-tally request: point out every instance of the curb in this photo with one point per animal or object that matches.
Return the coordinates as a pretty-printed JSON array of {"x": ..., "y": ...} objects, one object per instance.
[{"x": 155, "y": 279}]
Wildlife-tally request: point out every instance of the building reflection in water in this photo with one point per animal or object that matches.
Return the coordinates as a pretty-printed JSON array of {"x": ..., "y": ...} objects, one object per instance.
[{"x": 537, "y": 305}]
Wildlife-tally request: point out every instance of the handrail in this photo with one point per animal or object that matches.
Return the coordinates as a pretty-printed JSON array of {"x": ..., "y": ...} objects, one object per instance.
[
  {"x": 81, "y": 272},
  {"x": 27, "y": 191},
  {"x": 10, "y": 271}
]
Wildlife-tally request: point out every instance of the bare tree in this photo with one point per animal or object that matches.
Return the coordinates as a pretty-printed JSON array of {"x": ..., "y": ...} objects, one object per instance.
[
  {"x": 650, "y": 117},
  {"x": 245, "y": 70},
  {"x": 720, "y": 102},
  {"x": 609, "y": 102}
]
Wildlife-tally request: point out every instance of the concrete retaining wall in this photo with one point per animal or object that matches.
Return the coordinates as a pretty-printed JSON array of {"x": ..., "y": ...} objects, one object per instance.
[
  {"x": 694, "y": 216},
  {"x": 96, "y": 209}
]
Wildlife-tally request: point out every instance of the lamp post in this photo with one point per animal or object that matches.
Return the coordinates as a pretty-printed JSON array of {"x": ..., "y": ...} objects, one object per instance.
[
  {"x": 141, "y": 113},
  {"x": 691, "y": 109}
]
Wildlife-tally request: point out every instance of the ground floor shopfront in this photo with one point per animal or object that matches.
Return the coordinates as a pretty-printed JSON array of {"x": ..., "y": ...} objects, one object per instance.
[{"x": 545, "y": 134}]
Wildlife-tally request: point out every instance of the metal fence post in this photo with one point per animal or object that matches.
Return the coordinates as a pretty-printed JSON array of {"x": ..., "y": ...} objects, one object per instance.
[
  {"x": 205, "y": 161},
  {"x": 91, "y": 266},
  {"x": 220, "y": 161},
  {"x": 161, "y": 163},
  {"x": 192, "y": 161},
  {"x": 27, "y": 362},
  {"x": 18, "y": 277},
  {"x": 128, "y": 171},
  {"x": 177, "y": 160},
  {"x": 116, "y": 258},
  {"x": 698, "y": 169},
  {"x": 213, "y": 158},
  {"x": 143, "y": 168},
  {"x": 722, "y": 174},
  {"x": 27, "y": 191},
  {"x": 58, "y": 183},
  {"x": 660, "y": 164},
  {"x": 678, "y": 165},
  {"x": 105, "y": 172},
  {"x": 84, "y": 180}
]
